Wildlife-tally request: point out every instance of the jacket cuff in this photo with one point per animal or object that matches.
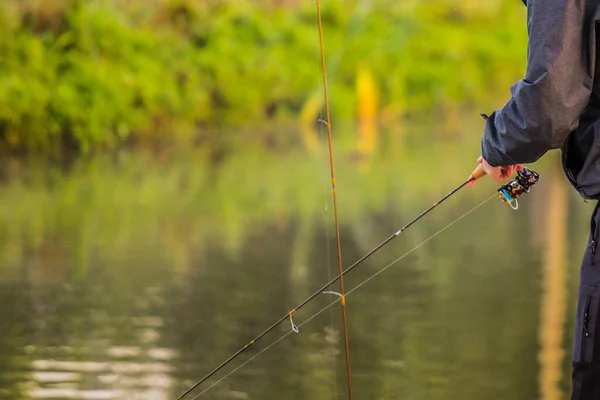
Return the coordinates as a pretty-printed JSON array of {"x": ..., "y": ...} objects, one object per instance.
[
  {"x": 492, "y": 148},
  {"x": 490, "y": 154}
]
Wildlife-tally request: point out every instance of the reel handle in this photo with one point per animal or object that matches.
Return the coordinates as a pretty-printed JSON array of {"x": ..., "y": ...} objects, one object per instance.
[{"x": 477, "y": 173}]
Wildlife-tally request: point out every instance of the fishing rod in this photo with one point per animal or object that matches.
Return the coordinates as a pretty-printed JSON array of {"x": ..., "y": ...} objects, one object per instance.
[{"x": 509, "y": 193}]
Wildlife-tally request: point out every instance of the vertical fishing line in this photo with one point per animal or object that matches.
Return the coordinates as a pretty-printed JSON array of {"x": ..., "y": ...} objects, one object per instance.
[
  {"x": 331, "y": 316},
  {"x": 335, "y": 204},
  {"x": 328, "y": 254},
  {"x": 323, "y": 145}
]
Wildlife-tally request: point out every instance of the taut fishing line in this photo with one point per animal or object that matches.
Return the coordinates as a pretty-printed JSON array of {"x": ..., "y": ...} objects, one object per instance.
[
  {"x": 525, "y": 180},
  {"x": 373, "y": 276},
  {"x": 328, "y": 255},
  {"x": 342, "y": 292},
  {"x": 521, "y": 185},
  {"x": 326, "y": 223}
]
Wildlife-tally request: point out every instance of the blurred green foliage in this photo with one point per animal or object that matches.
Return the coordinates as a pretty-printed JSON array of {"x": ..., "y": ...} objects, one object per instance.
[{"x": 92, "y": 74}]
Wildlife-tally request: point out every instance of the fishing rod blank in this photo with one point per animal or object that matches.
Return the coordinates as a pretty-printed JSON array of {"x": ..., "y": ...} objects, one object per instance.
[{"x": 477, "y": 173}]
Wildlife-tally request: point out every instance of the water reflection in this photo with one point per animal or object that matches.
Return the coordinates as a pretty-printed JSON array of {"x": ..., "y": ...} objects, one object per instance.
[
  {"x": 132, "y": 276},
  {"x": 554, "y": 290},
  {"x": 132, "y": 372}
]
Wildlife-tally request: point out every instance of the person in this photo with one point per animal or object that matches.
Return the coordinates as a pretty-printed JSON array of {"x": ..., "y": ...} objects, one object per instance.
[{"x": 557, "y": 105}]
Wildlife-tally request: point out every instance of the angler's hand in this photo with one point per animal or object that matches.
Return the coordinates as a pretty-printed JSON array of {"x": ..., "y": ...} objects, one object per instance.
[{"x": 499, "y": 174}]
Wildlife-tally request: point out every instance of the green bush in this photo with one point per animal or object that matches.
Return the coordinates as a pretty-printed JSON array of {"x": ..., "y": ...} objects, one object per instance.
[{"x": 85, "y": 74}]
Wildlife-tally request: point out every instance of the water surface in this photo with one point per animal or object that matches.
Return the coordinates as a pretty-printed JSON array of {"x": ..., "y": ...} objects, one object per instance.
[{"x": 132, "y": 275}]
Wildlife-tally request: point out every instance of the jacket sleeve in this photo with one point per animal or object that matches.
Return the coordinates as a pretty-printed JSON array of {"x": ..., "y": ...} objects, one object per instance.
[{"x": 546, "y": 105}]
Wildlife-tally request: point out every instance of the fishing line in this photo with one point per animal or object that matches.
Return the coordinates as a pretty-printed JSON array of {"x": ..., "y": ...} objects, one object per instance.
[
  {"x": 328, "y": 255},
  {"x": 476, "y": 174},
  {"x": 337, "y": 300},
  {"x": 326, "y": 221},
  {"x": 323, "y": 145},
  {"x": 422, "y": 243},
  {"x": 267, "y": 348},
  {"x": 335, "y": 204}
]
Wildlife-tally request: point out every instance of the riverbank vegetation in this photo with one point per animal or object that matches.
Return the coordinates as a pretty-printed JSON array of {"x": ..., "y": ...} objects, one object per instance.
[{"x": 85, "y": 75}]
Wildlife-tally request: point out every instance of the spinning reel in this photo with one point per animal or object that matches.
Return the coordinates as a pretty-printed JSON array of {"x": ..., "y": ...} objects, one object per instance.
[{"x": 511, "y": 191}]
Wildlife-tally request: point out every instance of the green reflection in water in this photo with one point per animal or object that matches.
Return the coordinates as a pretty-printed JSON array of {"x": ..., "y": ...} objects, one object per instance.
[{"x": 134, "y": 274}]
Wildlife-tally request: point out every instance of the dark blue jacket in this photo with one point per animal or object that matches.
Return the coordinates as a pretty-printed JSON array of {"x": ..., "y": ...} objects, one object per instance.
[{"x": 557, "y": 104}]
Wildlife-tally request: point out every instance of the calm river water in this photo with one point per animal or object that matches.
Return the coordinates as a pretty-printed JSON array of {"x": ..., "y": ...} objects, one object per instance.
[{"x": 132, "y": 275}]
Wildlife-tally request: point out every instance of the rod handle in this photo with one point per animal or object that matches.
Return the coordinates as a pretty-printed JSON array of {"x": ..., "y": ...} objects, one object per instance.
[{"x": 477, "y": 173}]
